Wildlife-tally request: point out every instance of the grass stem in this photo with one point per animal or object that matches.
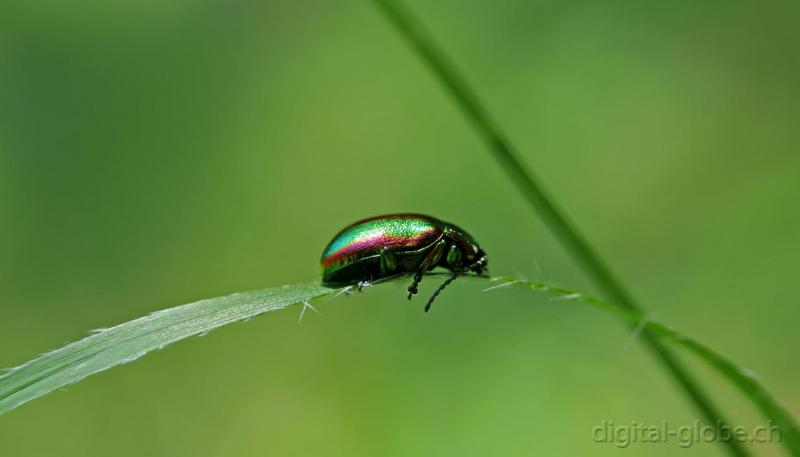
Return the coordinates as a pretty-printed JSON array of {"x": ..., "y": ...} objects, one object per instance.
[{"x": 530, "y": 187}]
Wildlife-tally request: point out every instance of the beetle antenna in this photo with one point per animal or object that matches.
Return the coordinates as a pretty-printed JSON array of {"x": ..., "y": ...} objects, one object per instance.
[
  {"x": 447, "y": 283},
  {"x": 439, "y": 289}
]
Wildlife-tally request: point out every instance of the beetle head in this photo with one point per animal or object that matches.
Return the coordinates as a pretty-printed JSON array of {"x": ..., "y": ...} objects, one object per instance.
[{"x": 479, "y": 261}]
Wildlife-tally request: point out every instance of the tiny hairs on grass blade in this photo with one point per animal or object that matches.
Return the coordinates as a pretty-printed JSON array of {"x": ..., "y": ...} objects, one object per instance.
[
  {"x": 124, "y": 343},
  {"x": 742, "y": 379}
]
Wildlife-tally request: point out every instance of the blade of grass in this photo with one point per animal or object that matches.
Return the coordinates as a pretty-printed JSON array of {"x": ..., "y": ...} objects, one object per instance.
[
  {"x": 743, "y": 379},
  {"x": 431, "y": 54},
  {"x": 127, "y": 342}
]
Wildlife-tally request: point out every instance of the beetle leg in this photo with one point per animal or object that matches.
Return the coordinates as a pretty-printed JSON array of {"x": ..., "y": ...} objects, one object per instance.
[
  {"x": 366, "y": 282},
  {"x": 454, "y": 257},
  {"x": 388, "y": 261},
  {"x": 430, "y": 260}
]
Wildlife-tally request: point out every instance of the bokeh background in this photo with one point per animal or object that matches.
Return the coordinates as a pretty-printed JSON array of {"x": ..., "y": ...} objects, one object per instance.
[{"x": 157, "y": 152}]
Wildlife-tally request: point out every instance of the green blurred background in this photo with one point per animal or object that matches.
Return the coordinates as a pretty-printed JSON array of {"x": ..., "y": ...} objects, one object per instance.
[{"x": 157, "y": 152}]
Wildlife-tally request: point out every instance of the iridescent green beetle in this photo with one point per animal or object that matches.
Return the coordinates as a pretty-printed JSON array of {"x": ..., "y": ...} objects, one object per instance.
[{"x": 393, "y": 245}]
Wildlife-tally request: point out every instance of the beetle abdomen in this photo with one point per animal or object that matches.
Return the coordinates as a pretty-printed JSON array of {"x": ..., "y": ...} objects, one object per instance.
[{"x": 398, "y": 233}]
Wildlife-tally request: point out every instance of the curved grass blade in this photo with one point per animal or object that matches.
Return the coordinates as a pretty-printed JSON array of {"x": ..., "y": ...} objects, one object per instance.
[
  {"x": 131, "y": 340},
  {"x": 412, "y": 29},
  {"x": 127, "y": 342},
  {"x": 744, "y": 380}
]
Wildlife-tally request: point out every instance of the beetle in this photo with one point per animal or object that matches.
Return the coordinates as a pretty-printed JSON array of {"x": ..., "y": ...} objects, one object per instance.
[{"x": 393, "y": 245}]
